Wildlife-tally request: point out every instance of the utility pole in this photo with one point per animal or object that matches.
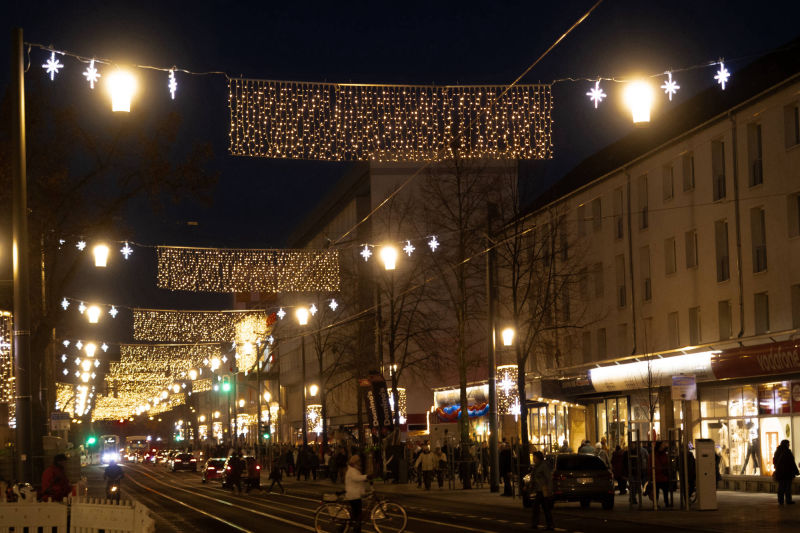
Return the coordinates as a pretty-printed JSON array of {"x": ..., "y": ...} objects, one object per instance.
[
  {"x": 494, "y": 463},
  {"x": 303, "y": 362},
  {"x": 21, "y": 273}
]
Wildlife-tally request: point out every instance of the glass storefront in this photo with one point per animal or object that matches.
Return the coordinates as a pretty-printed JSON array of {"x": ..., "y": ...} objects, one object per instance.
[
  {"x": 612, "y": 415},
  {"x": 550, "y": 424},
  {"x": 748, "y": 422}
]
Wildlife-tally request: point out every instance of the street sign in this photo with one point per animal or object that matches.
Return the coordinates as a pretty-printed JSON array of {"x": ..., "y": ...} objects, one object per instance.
[
  {"x": 59, "y": 421},
  {"x": 684, "y": 388}
]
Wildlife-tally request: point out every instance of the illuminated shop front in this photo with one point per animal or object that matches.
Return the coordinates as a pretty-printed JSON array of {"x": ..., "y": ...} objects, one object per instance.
[{"x": 551, "y": 422}]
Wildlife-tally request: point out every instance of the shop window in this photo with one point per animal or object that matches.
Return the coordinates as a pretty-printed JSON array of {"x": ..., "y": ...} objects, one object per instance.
[
  {"x": 749, "y": 400},
  {"x": 745, "y": 452},
  {"x": 766, "y": 399},
  {"x": 735, "y": 401},
  {"x": 718, "y": 431},
  {"x": 772, "y": 431},
  {"x": 714, "y": 403}
]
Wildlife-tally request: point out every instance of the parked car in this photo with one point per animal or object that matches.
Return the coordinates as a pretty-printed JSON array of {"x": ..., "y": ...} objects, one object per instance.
[
  {"x": 251, "y": 476},
  {"x": 577, "y": 477},
  {"x": 183, "y": 461},
  {"x": 213, "y": 469}
]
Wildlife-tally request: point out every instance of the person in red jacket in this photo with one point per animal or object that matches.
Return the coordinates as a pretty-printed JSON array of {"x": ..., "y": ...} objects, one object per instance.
[
  {"x": 55, "y": 484},
  {"x": 662, "y": 473}
]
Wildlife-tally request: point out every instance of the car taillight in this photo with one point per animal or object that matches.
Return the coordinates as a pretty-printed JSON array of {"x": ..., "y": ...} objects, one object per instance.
[
  {"x": 211, "y": 468},
  {"x": 228, "y": 468},
  {"x": 193, "y": 461},
  {"x": 258, "y": 467}
]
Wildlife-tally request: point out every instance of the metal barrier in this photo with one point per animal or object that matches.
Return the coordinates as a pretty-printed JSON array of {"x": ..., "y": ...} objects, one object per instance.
[
  {"x": 86, "y": 515},
  {"x": 49, "y": 516}
]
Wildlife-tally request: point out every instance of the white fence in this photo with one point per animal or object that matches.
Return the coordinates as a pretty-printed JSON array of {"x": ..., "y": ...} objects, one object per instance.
[{"x": 86, "y": 515}]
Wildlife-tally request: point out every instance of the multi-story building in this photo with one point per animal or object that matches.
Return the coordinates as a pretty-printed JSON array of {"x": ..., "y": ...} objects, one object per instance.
[{"x": 688, "y": 236}]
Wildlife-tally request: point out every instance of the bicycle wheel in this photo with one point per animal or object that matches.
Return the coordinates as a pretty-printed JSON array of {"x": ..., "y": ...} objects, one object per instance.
[
  {"x": 389, "y": 517},
  {"x": 332, "y": 518}
]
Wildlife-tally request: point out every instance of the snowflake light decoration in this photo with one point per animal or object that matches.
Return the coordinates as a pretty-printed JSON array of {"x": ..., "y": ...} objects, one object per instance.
[
  {"x": 113, "y": 312},
  {"x": 409, "y": 248},
  {"x": 96, "y": 363},
  {"x": 333, "y": 305},
  {"x": 81, "y": 245},
  {"x": 81, "y": 310},
  {"x": 126, "y": 251},
  {"x": 596, "y": 94},
  {"x": 65, "y": 343},
  {"x": 77, "y": 361},
  {"x": 63, "y": 358},
  {"x": 722, "y": 75},
  {"x": 173, "y": 83},
  {"x": 52, "y": 66},
  {"x": 61, "y": 242},
  {"x": 104, "y": 347},
  {"x": 433, "y": 243},
  {"x": 224, "y": 359},
  {"x": 281, "y": 313},
  {"x": 312, "y": 309},
  {"x": 670, "y": 86},
  {"x": 79, "y": 345},
  {"x": 65, "y": 371},
  {"x": 366, "y": 253},
  {"x": 64, "y": 304},
  {"x": 91, "y": 74},
  {"x": 271, "y": 340}
]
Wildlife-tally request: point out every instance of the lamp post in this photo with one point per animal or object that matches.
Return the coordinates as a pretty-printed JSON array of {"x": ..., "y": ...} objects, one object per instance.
[
  {"x": 494, "y": 462},
  {"x": 302, "y": 319}
]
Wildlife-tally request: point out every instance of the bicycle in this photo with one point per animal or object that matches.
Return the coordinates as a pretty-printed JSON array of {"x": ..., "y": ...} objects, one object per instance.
[{"x": 333, "y": 514}]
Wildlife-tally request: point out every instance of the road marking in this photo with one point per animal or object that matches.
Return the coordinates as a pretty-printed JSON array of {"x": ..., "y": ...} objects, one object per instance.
[
  {"x": 191, "y": 507},
  {"x": 278, "y": 518}
]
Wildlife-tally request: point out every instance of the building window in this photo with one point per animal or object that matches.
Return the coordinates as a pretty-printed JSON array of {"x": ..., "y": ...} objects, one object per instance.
[
  {"x": 688, "y": 171},
  {"x": 721, "y": 242},
  {"x": 796, "y": 306},
  {"x": 761, "y": 306},
  {"x": 644, "y": 271},
  {"x": 644, "y": 221},
  {"x": 599, "y": 286},
  {"x": 668, "y": 182},
  {"x": 694, "y": 326},
  {"x": 754, "y": 151},
  {"x": 601, "y": 343},
  {"x": 622, "y": 339},
  {"x": 587, "y": 346},
  {"x": 618, "y": 227},
  {"x": 793, "y": 214},
  {"x": 582, "y": 220},
  {"x": 619, "y": 263},
  {"x": 673, "y": 335},
  {"x": 759, "y": 238},
  {"x": 669, "y": 256},
  {"x": 791, "y": 122},
  {"x": 691, "y": 248},
  {"x": 718, "y": 169},
  {"x": 725, "y": 320},
  {"x": 597, "y": 214}
]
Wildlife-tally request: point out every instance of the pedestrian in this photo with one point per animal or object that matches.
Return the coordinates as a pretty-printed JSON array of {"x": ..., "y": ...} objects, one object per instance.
[
  {"x": 565, "y": 447},
  {"x": 426, "y": 462},
  {"x": 234, "y": 475},
  {"x": 441, "y": 466},
  {"x": 276, "y": 476},
  {"x": 55, "y": 484},
  {"x": 661, "y": 461},
  {"x": 618, "y": 468},
  {"x": 602, "y": 453},
  {"x": 542, "y": 484},
  {"x": 355, "y": 485},
  {"x": 504, "y": 460},
  {"x": 586, "y": 447},
  {"x": 785, "y": 471},
  {"x": 313, "y": 464}
]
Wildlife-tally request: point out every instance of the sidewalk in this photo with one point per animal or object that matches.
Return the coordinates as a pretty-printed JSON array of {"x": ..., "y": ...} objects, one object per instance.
[{"x": 736, "y": 511}]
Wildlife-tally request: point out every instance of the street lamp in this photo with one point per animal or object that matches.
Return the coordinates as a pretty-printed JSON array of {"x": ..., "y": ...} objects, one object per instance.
[
  {"x": 100, "y": 255},
  {"x": 302, "y": 316},
  {"x": 508, "y": 336},
  {"x": 90, "y": 348},
  {"x": 267, "y": 396},
  {"x": 389, "y": 256},
  {"x": 313, "y": 389},
  {"x": 93, "y": 313},
  {"x": 639, "y": 98},
  {"x": 121, "y": 85}
]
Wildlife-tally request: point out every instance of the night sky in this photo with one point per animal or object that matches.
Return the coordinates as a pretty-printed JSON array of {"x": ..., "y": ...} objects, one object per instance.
[{"x": 259, "y": 201}]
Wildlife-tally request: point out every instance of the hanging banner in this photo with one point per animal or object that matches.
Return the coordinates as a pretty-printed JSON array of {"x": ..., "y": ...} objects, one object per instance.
[{"x": 379, "y": 412}]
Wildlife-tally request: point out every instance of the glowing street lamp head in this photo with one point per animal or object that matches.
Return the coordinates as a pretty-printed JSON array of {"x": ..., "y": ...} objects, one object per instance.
[
  {"x": 302, "y": 316},
  {"x": 176, "y": 388},
  {"x": 215, "y": 362},
  {"x": 85, "y": 377},
  {"x": 639, "y": 99},
  {"x": 193, "y": 374},
  {"x": 389, "y": 256},
  {"x": 241, "y": 402},
  {"x": 508, "y": 336},
  {"x": 100, "y": 255},
  {"x": 164, "y": 394},
  {"x": 90, "y": 348},
  {"x": 267, "y": 396},
  {"x": 93, "y": 313},
  {"x": 313, "y": 389},
  {"x": 121, "y": 85}
]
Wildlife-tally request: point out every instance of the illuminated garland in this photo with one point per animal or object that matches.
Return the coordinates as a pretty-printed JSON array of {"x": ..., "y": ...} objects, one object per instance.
[
  {"x": 7, "y": 393},
  {"x": 332, "y": 122},
  {"x": 507, "y": 390},
  {"x": 194, "y": 326},
  {"x": 240, "y": 270},
  {"x": 65, "y": 397}
]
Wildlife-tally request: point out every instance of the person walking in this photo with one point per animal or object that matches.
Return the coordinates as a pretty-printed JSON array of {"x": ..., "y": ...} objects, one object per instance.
[
  {"x": 441, "y": 466},
  {"x": 276, "y": 476},
  {"x": 542, "y": 481},
  {"x": 586, "y": 447},
  {"x": 602, "y": 453},
  {"x": 55, "y": 484},
  {"x": 234, "y": 477},
  {"x": 618, "y": 469},
  {"x": 504, "y": 460},
  {"x": 661, "y": 460},
  {"x": 427, "y": 463},
  {"x": 565, "y": 447},
  {"x": 785, "y": 471}
]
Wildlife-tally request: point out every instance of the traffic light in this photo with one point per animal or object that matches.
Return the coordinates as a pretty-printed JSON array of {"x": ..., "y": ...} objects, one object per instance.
[
  {"x": 266, "y": 434},
  {"x": 226, "y": 383},
  {"x": 91, "y": 440}
]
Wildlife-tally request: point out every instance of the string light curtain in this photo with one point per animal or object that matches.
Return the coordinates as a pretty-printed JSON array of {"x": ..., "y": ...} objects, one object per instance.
[
  {"x": 247, "y": 270},
  {"x": 157, "y": 325},
  {"x": 507, "y": 390},
  {"x": 7, "y": 389},
  {"x": 335, "y": 122}
]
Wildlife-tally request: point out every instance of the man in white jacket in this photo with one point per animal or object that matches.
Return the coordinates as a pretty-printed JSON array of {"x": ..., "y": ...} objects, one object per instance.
[
  {"x": 428, "y": 462},
  {"x": 355, "y": 486}
]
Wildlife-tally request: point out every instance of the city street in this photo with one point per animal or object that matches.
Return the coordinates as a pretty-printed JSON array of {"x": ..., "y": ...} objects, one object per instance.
[{"x": 180, "y": 502}]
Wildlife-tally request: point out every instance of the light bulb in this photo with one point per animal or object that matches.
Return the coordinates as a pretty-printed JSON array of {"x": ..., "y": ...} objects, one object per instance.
[
  {"x": 93, "y": 313},
  {"x": 302, "y": 316},
  {"x": 508, "y": 336},
  {"x": 121, "y": 85},
  {"x": 389, "y": 257}
]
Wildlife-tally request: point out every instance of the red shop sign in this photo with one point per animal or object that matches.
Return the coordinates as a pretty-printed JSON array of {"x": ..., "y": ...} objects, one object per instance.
[{"x": 776, "y": 358}]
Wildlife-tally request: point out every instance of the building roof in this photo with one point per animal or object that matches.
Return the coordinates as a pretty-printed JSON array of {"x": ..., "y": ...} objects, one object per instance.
[{"x": 769, "y": 71}]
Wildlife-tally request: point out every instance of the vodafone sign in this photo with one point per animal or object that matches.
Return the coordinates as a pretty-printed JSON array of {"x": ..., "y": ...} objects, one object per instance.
[{"x": 763, "y": 360}]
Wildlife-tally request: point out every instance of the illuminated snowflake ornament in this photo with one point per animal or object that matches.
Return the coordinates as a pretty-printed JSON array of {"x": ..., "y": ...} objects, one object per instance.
[
  {"x": 96, "y": 363},
  {"x": 271, "y": 339},
  {"x": 104, "y": 347},
  {"x": 281, "y": 313},
  {"x": 81, "y": 245},
  {"x": 79, "y": 345},
  {"x": 126, "y": 251},
  {"x": 65, "y": 343},
  {"x": 596, "y": 94},
  {"x": 81, "y": 310},
  {"x": 670, "y": 86},
  {"x": 66, "y": 371},
  {"x": 312, "y": 309},
  {"x": 64, "y": 304},
  {"x": 333, "y": 305},
  {"x": 173, "y": 83},
  {"x": 433, "y": 243},
  {"x": 52, "y": 66},
  {"x": 409, "y": 248},
  {"x": 722, "y": 75},
  {"x": 91, "y": 74},
  {"x": 63, "y": 358},
  {"x": 113, "y": 312},
  {"x": 224, "y": 359},
  {"x": 366, "y": 253}
]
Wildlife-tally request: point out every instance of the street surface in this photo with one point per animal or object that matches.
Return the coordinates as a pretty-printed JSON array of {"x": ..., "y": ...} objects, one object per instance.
[{"x": 181, "y": 503}]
